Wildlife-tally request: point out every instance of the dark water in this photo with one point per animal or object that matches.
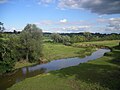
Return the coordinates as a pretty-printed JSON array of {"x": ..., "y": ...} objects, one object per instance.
[{"x": 22, "y": 73}]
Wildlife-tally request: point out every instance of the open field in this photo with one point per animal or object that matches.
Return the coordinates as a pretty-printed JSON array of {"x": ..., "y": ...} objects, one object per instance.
[
  {"x": 109, "y": 43},
  {"x": 58, "y": 51},
  {"x": 100, "y": 74}
]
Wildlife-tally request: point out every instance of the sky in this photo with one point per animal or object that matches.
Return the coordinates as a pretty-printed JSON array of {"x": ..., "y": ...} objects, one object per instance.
[{"x": 62, "y": 16}]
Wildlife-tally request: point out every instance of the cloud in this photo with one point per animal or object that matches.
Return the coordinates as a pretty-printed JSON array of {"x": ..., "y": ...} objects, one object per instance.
[
  {"x": 45, "y": 2},
  {"x": 45, "y": 22},
  {"x": 63, "y": 20},
  {"x": 64, "y": 26},
  {"x": 112, "y": 24},
  {"x": 78, "y": 28},
  {"x": 101, "y": 25},
  {"x": 95, "y": 6},
  {"x": 70, "y": 29},
  {"x": 3, "y": 1}
]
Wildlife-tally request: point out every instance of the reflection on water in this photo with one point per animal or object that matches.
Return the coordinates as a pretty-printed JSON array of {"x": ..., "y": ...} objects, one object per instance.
[{"x": 22, "y": 73}]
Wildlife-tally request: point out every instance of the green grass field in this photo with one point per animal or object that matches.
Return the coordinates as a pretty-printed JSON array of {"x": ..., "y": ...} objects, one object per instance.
[
  {"x": 109, "y": 43},
  {"x": 100, "y": 74},
  {"x": 58, "y": 51}
]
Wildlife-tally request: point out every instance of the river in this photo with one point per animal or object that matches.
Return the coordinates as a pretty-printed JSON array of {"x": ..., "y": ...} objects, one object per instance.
[{"x": 30, "y": 71}]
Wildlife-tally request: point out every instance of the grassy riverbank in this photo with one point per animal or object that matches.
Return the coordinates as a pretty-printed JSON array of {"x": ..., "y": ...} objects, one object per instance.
[
  {"x": 100, "y": 74},
  {"x": 57, "y": 51},
  {"x": 54, "y": 51}
]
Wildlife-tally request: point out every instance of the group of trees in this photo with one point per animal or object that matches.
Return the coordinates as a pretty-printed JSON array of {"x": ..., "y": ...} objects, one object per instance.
[
  {"x": 67, "y": 40},
  {"x": 57, "y": 38},
  {"x": 86, "y": 36},
  {"x": 24, "y": 46}
]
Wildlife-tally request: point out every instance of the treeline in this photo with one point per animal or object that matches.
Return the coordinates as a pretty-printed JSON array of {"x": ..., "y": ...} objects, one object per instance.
[
  {"x": 84, "y": 37},
  {"x": 24, "y": 46}
]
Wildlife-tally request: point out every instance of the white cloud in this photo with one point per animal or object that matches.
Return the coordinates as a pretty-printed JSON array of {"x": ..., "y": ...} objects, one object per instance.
[
  {"x": 70, "y": 29},
  {"x": 112, "y": 24},
  {"x": 45, "y": 22},
  {"x": 102, "y": 25},
  {"x": 45, "y": 2},
  {"x": 63, "y": 20}
]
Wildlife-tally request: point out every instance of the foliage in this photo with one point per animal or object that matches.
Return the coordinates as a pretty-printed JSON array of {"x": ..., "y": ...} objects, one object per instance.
[
  {"x": 100, "y": 74},
  {"x": 7, "y": 54},
  {"x": 13, "y": 47},
  {"x": 83, "y": 37},
  {"x": 31, "y": 43},
  {"x": 76, "y": 38},
  {"x": 56, "y": 38}
]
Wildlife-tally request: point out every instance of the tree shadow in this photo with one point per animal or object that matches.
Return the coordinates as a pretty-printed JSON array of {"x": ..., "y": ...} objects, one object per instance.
[{"x": 105, "y": 75}]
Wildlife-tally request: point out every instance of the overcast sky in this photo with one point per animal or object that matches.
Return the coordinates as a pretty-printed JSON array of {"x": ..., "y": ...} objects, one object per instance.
[{"x": 101, "y": 16}]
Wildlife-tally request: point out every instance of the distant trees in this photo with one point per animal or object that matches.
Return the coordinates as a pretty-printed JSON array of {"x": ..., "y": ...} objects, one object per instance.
[
  {"x": 84, "y": 37},
  {"x": 65, "y": 39},
  {"x": 87, "y": 35},
  {"x": 77, "y": 38},
  {"x": 57, "y": 38}
]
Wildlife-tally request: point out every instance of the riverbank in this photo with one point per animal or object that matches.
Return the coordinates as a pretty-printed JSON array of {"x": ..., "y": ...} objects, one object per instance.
[
  {"x": 58, "y": 51},
  {"x": 54, "y": 51},
  {"x": 100, "y": 74}
]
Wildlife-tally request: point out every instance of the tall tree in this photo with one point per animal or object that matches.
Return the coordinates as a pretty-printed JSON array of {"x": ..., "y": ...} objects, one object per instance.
[{"x": 31, "y": 42}]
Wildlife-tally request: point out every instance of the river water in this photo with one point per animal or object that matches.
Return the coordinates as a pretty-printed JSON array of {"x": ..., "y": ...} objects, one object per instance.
[{"x": 30, "y": 71}]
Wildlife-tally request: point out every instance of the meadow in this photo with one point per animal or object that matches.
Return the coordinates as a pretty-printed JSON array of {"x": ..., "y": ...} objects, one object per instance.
[{"x": 99, "y": 74}]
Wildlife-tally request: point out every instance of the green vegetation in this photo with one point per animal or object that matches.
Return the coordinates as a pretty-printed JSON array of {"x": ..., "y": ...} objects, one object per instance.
[
  {"x": 109, "y": 43},
  {"x": 100, "y": 74},
  {"x": 22, "y": 63},
  {"x": 82, "y": 37},
  {"x": 25, "y": 46},
  {"x": 31, "y": 43},
  {"x": 54, "y": 51},
  {"x": 7, "y": 53}
]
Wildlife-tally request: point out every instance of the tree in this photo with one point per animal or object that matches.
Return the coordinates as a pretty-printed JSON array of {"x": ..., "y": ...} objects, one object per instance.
[
  {"x": 7, "y": 53},
  {"x": 56, "y": 38},
  {"x": 65, "y": 39},
  {"x": 76, "y": 38},
  {"x": 88, "y": 35},
  {"x": 31, "y": 42},
  {"x": 1, "y": 27}
]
